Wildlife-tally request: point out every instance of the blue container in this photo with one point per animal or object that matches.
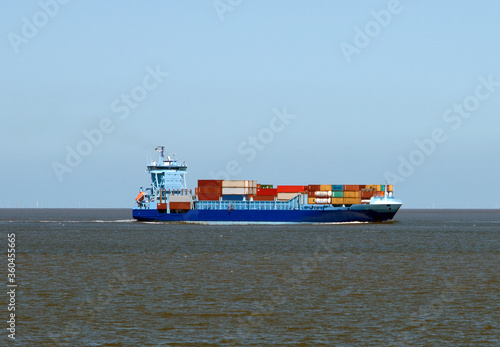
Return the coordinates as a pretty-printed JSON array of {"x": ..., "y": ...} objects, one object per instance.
[
  {"x": 233, "y": 197},
  {"x": 337, "y": 187}
]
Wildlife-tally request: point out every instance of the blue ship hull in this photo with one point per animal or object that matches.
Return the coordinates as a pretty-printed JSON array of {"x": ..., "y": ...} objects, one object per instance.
[{"x": 361, "y": 214}]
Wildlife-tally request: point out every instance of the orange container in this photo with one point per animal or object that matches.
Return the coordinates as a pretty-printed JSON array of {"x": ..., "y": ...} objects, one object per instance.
[
  {"x": 367, "y": 194},
  {"x": 351, "y": 194},
  {"x": 209, "y": 183},
  {"x": 351, "y": 187},
  {"x": 208, "y": 197},
  {"x": 337, "y": 201},
  {"x": 209, "y": 190},
  {"x": 180, "y": 206}
]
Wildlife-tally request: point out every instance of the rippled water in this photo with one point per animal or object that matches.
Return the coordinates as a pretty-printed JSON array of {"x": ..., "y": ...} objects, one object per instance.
[{"x": 95, "y": 277}]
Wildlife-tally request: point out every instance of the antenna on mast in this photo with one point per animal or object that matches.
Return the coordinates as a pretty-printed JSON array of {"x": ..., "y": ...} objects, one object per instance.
[{"x": 161, "y": 149}]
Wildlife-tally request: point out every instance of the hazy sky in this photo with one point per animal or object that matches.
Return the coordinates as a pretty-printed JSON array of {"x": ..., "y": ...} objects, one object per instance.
[{"x": 283, "y": 92}]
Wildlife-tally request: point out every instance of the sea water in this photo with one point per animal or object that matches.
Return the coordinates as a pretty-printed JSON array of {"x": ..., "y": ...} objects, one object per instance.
[{"x": 88, "y": 277}]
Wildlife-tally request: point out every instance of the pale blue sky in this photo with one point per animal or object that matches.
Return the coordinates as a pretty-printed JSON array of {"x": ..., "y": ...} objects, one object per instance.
[{"x": 65, "y": 67}]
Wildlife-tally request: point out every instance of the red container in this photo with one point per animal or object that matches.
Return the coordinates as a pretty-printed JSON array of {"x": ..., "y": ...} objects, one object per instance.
[
  {"x": 208, "y": 197},
  {"x": 209, "y": 183},
  {"x": 267, "y": 192},
  {"x": 351, "y": 187},
  {"x": 312, "y": 193},
  {"x": 161, "y": 206},
  {"x": 209, "y": 190},
  {"x": 290, "y": 189},
  {"x": 180, "y": 206},
  {"x": 367, "y": 194},
  {"x": 263, "y": 198},
  {"x": 313, "y": 187}
]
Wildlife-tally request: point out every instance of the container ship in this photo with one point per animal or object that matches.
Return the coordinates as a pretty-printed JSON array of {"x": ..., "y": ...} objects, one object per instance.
[{"x": 218, "y": 201}]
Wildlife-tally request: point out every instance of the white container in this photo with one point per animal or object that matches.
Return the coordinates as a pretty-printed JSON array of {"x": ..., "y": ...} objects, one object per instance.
[
  {"x": 323, "y": 194},
  {"x": 233, "y": 184},
  {"x": 235, "y": 191},
  {"x": 323, "y": 200},
  {"x": 287, "y": 196},
  {"x": 180, "y": 198}
]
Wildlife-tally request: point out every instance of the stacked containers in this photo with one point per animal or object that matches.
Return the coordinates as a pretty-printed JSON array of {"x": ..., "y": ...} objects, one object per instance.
[
  {"x": 325, "y": 187},
  {"x": 371, "y": 190},
  {"x": 367, "y": 193},
  {"x": 311, "y": 190},
  {"x": 351, "y": 194},
  {"x": 180, "y": 202},
  {"x": 319, "y": 194},
  {"x": 265, "y": 194},
  {"x": 337, "y": 194},
  {"x": 238, "y": 189},
  {"x": 289, "y": 192},
  {"x": 209, "y": 190}
]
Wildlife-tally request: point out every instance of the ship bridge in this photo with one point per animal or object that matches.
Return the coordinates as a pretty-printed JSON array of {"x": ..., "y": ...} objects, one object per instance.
[{"x": 167, "y": 174}]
